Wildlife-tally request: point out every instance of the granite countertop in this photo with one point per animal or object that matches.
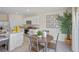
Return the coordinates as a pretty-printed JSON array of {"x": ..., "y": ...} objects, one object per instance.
[{"x": 21, "y": 30}]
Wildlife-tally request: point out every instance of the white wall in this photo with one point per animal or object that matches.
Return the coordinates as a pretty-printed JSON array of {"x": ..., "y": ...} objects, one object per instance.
[{"x": 3, "y": 17}]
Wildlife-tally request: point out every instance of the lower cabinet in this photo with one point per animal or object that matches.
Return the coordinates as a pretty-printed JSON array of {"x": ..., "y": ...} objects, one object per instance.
[{"x": 16, "y": 40}]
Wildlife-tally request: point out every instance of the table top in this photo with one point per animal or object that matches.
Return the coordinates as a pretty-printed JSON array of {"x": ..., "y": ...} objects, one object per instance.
[{"x": 43, "y": 39}]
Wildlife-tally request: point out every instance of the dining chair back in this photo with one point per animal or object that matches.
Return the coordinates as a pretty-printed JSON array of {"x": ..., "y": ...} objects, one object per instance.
[
  {"x": 34, "y": 46},
  {"x": 53, "y": 44},
  {"x": 56, "y": 42}
]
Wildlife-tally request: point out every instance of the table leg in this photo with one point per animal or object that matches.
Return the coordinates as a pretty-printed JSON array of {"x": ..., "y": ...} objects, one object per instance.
[
  {"x": 30, "y": 46},
  {"x": 46, "y": 47}
]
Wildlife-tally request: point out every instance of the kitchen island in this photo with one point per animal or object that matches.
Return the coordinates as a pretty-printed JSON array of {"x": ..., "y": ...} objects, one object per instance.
[{"x": 15, "y": 40}]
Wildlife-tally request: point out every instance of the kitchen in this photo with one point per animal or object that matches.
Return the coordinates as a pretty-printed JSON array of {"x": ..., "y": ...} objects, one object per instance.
[{"x": 11, "y": 35}]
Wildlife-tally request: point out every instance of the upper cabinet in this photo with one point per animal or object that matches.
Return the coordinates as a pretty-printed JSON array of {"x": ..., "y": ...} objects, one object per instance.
[
  {"x": 33, "y": 19},
  {"x": 14, "y": 16},
  {"x": 15, "y": 20}
]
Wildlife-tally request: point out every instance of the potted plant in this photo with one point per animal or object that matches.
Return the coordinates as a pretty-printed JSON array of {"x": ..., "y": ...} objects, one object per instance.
[
  {"x": 65, "y": 23},
  {"x": 39, "y": 33}
]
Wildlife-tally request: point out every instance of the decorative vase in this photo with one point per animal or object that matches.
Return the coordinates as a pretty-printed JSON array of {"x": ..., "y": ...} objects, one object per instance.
[
  {"x": 40, "y": 36},
  {"x": 45, "y": 34}
]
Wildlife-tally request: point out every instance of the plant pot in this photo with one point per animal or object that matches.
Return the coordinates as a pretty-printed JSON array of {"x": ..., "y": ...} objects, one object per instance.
[{"x": 68, "y": 42}]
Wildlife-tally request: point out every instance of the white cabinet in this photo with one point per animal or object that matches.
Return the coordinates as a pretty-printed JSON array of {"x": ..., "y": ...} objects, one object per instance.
[
  {"x": 35, "y": 20},
  {"x": 16, "y": 40},
  {"x": 15, "y": 20}
]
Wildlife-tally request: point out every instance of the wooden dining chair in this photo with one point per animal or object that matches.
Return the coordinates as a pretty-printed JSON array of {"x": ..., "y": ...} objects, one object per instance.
[
  {"x": 34, "y": 46},
  {"x": 53, "y": 45}
]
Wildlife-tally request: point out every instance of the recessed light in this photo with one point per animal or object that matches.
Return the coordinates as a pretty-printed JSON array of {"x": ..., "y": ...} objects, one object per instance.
[
  {"x": 27, "y": 10},
  {"x": 16, "y": 12}
]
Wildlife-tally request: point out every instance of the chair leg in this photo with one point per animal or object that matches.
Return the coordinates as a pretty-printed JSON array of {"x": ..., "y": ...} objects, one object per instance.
[
  {"x": 6, "y": 46},
  {"x": 30, "y": 45},
  {"x": 55, "y": 49},
  {"x": 29, "y": 49},
  {"x": 43, "y": 50}
]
